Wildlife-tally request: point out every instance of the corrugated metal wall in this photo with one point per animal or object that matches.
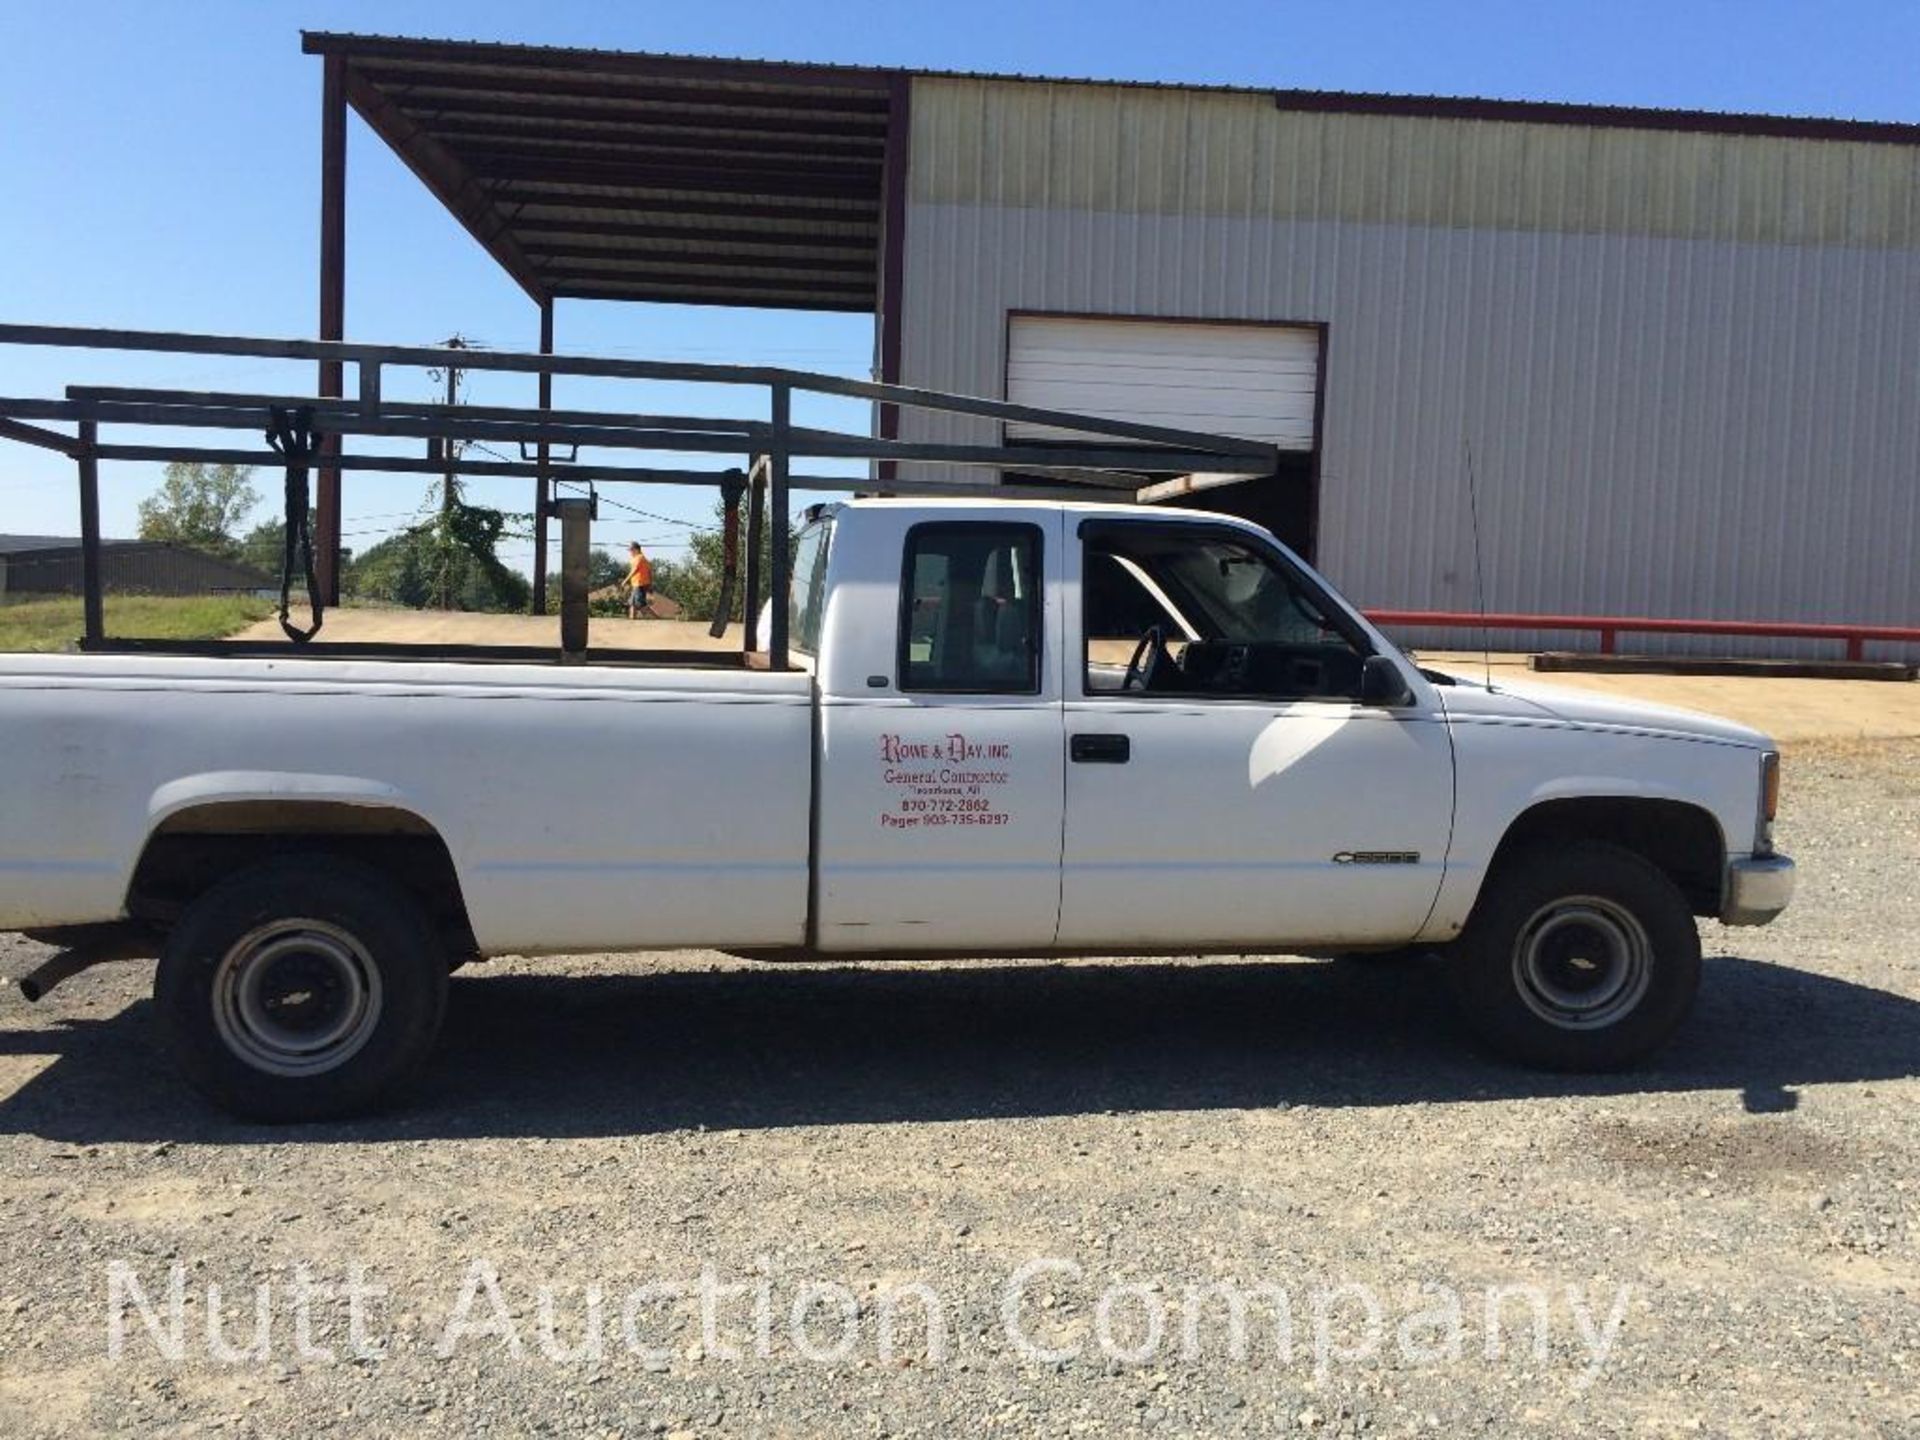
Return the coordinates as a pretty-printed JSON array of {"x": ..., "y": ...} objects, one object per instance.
[{"x": 1687, "y": 365}]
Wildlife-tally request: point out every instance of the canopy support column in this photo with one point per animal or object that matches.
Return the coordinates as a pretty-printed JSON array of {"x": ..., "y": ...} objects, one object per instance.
[
  {"x": 893, "y": 256},
  {"x": 333, "y": 311},
  {"x": 542, "y": 485},
  {"x": 779, "y": 455}
]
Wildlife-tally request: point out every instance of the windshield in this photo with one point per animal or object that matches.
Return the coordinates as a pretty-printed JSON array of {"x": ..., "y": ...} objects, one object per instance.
[
  {"x": 1198, "y": 585},
  {"x": 1190, "y": 609},
  {"x": 1236, "y": 593}
]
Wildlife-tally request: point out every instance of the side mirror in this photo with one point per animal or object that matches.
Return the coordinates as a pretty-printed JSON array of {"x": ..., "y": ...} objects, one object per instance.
[{"x": 1381, "y": 682}]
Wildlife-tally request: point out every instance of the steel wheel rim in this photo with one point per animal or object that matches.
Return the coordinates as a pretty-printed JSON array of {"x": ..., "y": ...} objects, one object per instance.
[
  {"x": 1582, "y": 963},
  {"x": 296, "y": 997}
]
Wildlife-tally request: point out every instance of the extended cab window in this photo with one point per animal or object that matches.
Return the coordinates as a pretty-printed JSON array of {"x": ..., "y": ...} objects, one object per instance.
[
  {"x": 970, "y": 609},
  {"x": 807, "y": 597},
  {"x": 1189, "y": 609}
]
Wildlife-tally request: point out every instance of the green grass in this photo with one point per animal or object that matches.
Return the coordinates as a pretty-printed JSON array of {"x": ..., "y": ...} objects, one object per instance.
[{"x": 54, "y": 624}]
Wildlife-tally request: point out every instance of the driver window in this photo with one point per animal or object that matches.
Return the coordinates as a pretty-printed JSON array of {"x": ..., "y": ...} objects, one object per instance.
[{"x": 1194, "y": 611}]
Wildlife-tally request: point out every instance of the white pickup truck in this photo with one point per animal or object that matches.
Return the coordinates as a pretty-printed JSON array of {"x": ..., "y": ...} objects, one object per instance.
[{"x": 1012, "y": 728}]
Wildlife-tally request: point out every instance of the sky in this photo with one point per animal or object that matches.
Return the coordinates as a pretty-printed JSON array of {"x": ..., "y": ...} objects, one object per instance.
[{"x": 159, "y": 168}]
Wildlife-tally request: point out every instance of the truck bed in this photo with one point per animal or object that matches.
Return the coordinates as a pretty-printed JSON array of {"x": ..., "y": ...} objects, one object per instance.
[{"x": 583, "y": 806}]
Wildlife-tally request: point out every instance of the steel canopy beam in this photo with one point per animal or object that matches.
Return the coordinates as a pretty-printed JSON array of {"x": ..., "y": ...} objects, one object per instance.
[
  {"x": 619, "y": 153},
  {"x": 658, "y": 193},
  {"x": 735, "y": 210},
  {"x": 533, "y": 173},
  {"x": 717, "y": 295},
  {"x": 794, "y": 107},
  {"x": 431, "y": 106},
  {"x": 644, "y": 273},
  {"x": 542, "y": 60},
  {"x": 863, "y": 236},
  {"x": 443, "y": 174},
  {"x": 542, "y": 251}
]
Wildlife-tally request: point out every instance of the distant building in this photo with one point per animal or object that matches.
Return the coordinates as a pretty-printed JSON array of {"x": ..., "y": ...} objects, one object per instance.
[
  {"x": 1675, "y": 352},
  {"x": 50, "y": 565}
]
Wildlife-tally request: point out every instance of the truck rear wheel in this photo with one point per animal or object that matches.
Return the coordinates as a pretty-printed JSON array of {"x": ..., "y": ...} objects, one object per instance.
[
  {"x": 303, "y": 988},
  {"x": 1583, "y": 957}
]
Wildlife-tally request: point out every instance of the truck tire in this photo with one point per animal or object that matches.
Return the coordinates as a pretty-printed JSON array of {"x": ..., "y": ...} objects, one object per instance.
[
  {"x": 302, "y": 988},
  {"x": 1581, "y": 957}
]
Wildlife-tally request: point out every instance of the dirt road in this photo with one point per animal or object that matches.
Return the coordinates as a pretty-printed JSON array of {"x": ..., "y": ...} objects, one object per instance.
[{"x": 1077, "y": 1171}]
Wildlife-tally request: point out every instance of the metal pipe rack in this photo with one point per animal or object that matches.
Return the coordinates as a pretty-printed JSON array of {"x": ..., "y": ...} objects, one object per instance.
[{"x": 1115, "y": 461}]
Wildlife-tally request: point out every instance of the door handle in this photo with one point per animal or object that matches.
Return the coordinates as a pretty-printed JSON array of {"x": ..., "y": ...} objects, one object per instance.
[{"x": 1100, "y": 749}]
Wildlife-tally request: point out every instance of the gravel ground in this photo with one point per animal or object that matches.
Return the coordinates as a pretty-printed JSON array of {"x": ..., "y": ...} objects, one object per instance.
[{"x": 1304, "y": 1126}]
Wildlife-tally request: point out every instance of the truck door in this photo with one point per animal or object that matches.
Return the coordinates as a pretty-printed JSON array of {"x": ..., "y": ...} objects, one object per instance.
[
  {"x": 941, "y": 762},
  {"x": 1225, "y": 785}
]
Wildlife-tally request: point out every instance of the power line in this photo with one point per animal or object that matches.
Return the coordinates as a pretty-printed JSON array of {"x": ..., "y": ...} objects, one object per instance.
[{"x": 635, "y": 510}]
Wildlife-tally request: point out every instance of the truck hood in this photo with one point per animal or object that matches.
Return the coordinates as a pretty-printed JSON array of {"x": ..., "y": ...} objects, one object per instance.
[{"x": 1528, "y": 701}]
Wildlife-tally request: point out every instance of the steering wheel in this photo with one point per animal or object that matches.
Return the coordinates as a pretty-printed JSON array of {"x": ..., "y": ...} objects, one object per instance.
[{"x": 1145, "y": 662}]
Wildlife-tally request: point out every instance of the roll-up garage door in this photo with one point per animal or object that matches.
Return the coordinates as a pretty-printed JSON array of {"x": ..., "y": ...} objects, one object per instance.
[{"x": 1249, "y": 380}]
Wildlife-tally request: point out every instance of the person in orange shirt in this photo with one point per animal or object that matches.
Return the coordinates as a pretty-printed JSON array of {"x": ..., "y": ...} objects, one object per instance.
[{"x": 639, "y": 582}]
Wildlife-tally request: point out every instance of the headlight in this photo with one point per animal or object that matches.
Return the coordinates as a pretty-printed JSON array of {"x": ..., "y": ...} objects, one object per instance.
[{"x": 1769, "y": 802}]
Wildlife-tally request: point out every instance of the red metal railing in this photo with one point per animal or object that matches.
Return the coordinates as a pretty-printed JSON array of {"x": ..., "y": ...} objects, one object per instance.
[{"x": 1610, "y": 627}]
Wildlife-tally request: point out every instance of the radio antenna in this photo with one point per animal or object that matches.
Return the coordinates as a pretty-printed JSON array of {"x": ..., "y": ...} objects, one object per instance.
[{"x": 1479, "y": 576}]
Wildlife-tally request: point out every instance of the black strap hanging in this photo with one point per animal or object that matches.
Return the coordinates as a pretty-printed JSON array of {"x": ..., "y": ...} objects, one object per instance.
[
  {"x": 290, "y": 433},
  {"x": 733, "y": 484}
]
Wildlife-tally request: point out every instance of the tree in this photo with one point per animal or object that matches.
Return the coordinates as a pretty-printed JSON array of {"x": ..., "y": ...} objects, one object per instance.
[
  {"x": 451, "y": 560},
  {"x": 462, "y": 546},
  {"x": 693, "y": 581},
  {"x": 422, "y": 566},
  {"x": 264, "y": 548},
  {"x": 393, "y": 570},
  {"x": 199, "y": 505}
]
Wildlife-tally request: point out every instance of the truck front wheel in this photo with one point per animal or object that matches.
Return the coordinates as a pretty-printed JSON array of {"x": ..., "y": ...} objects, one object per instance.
[
  {"x": 303, "y": 988},
  {"x": 1582, "y": 957}
]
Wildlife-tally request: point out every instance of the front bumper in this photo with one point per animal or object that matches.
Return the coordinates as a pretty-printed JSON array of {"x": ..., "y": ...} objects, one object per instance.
[{"x": 1758, "y": 888}]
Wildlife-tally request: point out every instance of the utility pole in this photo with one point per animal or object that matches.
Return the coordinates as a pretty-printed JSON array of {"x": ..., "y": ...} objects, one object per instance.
[{"x": 450, "y": 452}]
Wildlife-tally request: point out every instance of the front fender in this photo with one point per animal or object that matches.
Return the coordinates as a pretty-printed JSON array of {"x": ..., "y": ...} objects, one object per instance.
[
  {"x": 1504, "y": 770},
  {"x": 1604, "y": 785}
]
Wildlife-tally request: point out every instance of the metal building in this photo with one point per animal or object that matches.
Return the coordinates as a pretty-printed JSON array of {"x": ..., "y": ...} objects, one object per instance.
[
  {"x": 1677, "y": 354},
  {"x": 1683, "y": 352},
  {"x": 52, "y": 565}
]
